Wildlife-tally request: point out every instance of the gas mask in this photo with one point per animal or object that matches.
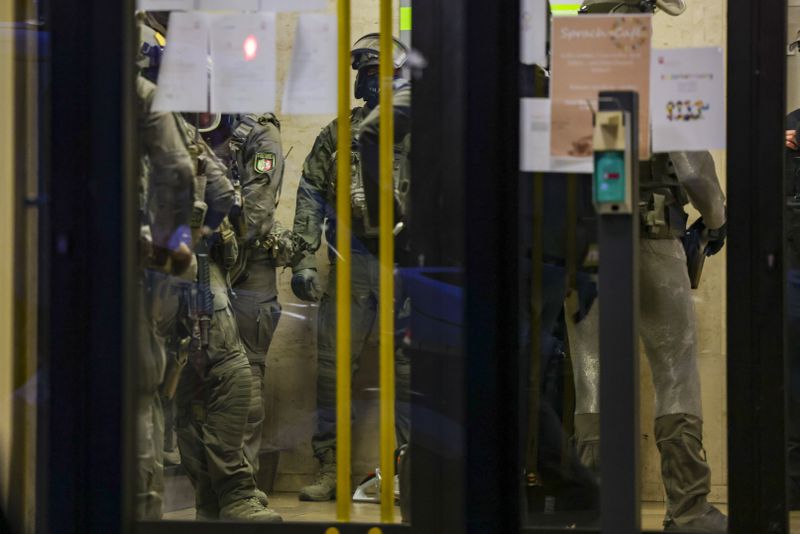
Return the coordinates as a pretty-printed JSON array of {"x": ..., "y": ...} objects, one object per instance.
[
  {"x": 368, "y": 84},
  {"x": 365, "y": 58}
]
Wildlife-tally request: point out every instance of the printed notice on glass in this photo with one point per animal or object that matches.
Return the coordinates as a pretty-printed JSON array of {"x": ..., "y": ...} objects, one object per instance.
[
  {"x": 311, "y": 85},
  {"x": 687, "y": 99},
  {"x": 243, "y": 53},
  {"x": 594, "y": 53},
  {"x": 273, "y": 6},
  {"x": 228, "y": 5},
  {"x": 533, "y": 32},
  {"x": 535, "y": 141},
  {"x": 183, "y": 78},
  {"x": 293, "y": 5},
  {"x": 165, "y": 5}
]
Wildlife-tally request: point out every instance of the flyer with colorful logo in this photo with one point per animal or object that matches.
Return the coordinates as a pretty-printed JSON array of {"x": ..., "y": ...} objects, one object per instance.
[{"x": 687, "y": 100}]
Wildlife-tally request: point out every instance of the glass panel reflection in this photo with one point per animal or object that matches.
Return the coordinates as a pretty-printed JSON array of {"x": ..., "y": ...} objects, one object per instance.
[
  {"x": 237, "y": 386},
  {"x": 681, "y": 321}
]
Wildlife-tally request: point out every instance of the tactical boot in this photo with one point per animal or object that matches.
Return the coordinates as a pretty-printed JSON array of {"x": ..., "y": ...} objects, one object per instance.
[
  {"x": 324, "y": 487},
  {"x": 686, "y": 475},
  {"x": 712, "y": 521},
  {"x": 250, "y": 509},
  {"x": 587, "y": 441},
  {"x": 206, "y": 515}
]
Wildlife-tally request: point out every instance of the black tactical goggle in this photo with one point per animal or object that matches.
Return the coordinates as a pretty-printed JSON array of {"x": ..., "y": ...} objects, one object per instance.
[{"x": 364, "y": 59}]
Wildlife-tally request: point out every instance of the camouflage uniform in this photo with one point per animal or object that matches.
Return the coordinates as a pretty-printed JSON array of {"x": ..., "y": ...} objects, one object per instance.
[
  {"x": 214, "y": 393},
  {"x": 166, "y": 172},
  {"x": 254, "y": 153},
  {"x": 315, "y": 201}
]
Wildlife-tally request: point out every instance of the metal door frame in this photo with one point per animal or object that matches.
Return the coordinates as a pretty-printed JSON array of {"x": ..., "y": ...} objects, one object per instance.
[
  {"x": 755, "y": 270},
  {"x": 756, "y": 369},
  {"x": 468, "y": 111},
  {"x": 86, "y": 332}
]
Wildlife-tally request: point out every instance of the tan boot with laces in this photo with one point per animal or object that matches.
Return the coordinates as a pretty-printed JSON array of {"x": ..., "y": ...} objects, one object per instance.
[{"x": 250, "y": 509}]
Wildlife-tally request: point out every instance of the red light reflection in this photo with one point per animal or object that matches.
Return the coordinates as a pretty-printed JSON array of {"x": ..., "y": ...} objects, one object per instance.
[{"x": 250, "y": 47}]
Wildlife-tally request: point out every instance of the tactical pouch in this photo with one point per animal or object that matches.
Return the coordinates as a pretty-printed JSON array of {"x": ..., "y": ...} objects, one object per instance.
[
  {"x": 365, "y": 193},
  {"x": 230, "y": 247},
  {"x": 661, "y": 219},
  {"x": 199, "y": 210},
  {"x": 237, "y": 216}
]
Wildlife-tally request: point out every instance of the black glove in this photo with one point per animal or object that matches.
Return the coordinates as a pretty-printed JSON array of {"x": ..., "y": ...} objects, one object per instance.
[
  {"x": 306, "y": 286},
  {"x": 715, "y": 238}
]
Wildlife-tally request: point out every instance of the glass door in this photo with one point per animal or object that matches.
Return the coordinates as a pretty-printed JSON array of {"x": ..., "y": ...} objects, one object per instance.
[{"x": 664, "y": 377}]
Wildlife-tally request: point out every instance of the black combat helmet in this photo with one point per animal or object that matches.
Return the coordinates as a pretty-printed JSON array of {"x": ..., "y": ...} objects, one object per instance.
[
  {"x": 365, "y": 58},
  {"x": 671, "y": 7},
  {"x": 366, "y": 51}
]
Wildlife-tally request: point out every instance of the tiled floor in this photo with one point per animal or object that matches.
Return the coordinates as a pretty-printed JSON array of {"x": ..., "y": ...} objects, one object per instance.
[{"x": 293, "y": 510}]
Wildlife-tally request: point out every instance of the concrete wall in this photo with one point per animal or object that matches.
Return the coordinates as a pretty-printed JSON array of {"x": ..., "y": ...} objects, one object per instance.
[
  {"x": 703, "y": 24},
  {"x": 6, "y": 242}
]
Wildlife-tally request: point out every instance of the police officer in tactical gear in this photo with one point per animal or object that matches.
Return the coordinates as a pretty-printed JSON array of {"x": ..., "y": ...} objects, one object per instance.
[
  {"x": 165, "y": 192},
  {"x": 314, "y": 211},
  {"x": 792, "y": 189},
  {"x": 667, "y": 321},
  {"x": 215, "y": 389},
  {"x": 250, "y": 144}
]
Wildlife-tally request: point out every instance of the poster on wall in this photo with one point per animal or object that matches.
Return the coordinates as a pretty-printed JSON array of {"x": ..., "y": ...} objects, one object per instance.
[
  {"x": 594, "y": 53},
  {"x": 183, "y": 79},
  {"x": 231, "y": 5},
  {"x": 228, "y": 5},
  {"x": 244, "y": 58},
  {"x": 164, "y": 5},
  {"x": 687, "y": 99},
  {"x": 535, "y": 141},
  {"x": 293, "y": 5},
  {"x": 311, "y": 86},
  {"x": 533, "y": 32}
]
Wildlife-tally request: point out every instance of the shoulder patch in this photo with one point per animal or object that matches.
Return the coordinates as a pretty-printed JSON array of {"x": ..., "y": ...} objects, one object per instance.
[{"x": 264, "y": 162}]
